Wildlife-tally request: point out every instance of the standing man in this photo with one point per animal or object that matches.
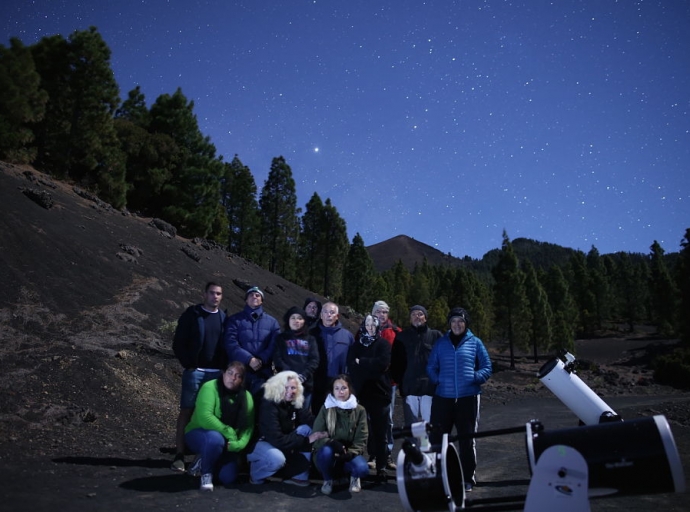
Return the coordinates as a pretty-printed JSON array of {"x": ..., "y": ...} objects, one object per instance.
[
  {"x": 459, "y": 364},
  {"x": 409, "y": 359},
  {"x": 250, "y": 339},
  {"x": 312, "y": 307},
  {"x": 388, "y": 332},
  {"x": 198, "y": 345},
  {"x": 334, "y": 342}
]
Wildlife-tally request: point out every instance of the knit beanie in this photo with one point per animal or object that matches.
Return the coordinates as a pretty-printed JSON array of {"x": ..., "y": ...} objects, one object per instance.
[
  {"x": 294, "y": 310},
  {"x": 461, "y": 313},
  {"x": 420, "y": 308},
  {"x": 379, "y": 304},
  {"x": 252, "y": 290}
]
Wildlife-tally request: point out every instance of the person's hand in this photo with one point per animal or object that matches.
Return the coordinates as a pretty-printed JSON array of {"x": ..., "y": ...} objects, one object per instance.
[
  {"x": 347, "y": 456},
  {"x": 255, "y": 364},
  {"x": 337, "y": 447},
  {"x": 315, "y": 436},
  {"x": 303, "y": 430}
]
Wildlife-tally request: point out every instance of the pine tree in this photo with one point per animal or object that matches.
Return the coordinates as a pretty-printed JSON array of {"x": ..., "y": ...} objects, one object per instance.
[
  {"x": 663, "y": 293},
  {"x": 600, "y": 287},
  {"x": 311, "y": 247},
  {"x": 683, "y": 281},
  {"x": 581, "y": 289},
  {"x": 95, "y": 158},
  {"x": 563, "y": 308},
  {"x": 51, "y": 58},
  {"x": 279, "y": 220},
  {"x": 513, "y": 315},
  {"x": 191, "y": 195},
  {"x": 358, "y": 278},
  {"x": 541, "y": 311},
  {"x": 238, "y": 197},
  {"x": 632, "y": 286},
  {"x": 335, "y": 250},
  {"x": 22, "y": 103}
]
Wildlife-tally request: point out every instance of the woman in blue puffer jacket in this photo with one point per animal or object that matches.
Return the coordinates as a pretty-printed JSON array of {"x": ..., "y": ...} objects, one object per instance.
[{"x": 459, "y": 364}]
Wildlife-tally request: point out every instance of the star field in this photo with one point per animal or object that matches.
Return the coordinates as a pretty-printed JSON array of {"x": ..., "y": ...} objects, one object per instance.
[{"x": 562, "y": 121}]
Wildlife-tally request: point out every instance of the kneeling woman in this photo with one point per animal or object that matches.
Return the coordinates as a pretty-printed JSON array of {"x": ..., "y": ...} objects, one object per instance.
[
  {"x": 285, "y": 433},
  {"x": 221, "y": 427},
  {"x": 345, "y": 421}
]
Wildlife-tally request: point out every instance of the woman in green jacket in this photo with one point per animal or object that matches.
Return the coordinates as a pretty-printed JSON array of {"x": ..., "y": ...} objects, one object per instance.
[
  {"x": 221, "y": 426},
  {"x": 346, "y": 423}
]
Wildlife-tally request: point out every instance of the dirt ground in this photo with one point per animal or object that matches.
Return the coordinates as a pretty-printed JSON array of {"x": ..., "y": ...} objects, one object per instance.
[
  {"x": 121, "y": 474},
  {"x": 89, "y": 385}
]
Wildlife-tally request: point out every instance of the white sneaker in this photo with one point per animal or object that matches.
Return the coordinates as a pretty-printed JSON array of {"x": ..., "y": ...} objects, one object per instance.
[
  {"x": 355, "y": 486},
  {"x": 327, "y": 487},
  {"x": 206, "y": 482}
]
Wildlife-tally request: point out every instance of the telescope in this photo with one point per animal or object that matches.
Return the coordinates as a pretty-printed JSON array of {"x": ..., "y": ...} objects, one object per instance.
[{"x": 604, "y": 457}]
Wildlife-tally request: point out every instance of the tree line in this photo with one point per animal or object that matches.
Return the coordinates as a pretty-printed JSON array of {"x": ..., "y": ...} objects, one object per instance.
[{"x": 60, "y": 110}]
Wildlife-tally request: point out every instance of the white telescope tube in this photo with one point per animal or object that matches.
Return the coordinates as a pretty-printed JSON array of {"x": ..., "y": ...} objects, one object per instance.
[{"x": 574, "y": 393}]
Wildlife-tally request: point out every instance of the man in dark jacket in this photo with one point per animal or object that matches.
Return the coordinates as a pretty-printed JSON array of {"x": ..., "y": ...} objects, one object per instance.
[
  {"x": 409, "y": 358},
  {"x": 198, "y": 346},
  {"x": 334, "y": 341},
  {"x": 250, "y": 339}
]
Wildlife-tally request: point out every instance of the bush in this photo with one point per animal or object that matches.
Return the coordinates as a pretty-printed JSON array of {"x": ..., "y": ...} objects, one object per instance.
[{"x": 673, "y": 369}]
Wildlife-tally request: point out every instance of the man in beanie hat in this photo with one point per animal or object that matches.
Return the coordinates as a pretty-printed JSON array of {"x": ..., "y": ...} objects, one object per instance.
[
  {"x": 410, "y": 356},
  {"x": 296, "y": 350},
  {"x": 250, "y": 339},
  {"x": 459, "y": 364}
]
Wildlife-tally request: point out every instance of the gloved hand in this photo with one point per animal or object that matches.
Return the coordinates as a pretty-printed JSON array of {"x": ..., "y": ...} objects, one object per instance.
[{"x": 303, "y": 430}]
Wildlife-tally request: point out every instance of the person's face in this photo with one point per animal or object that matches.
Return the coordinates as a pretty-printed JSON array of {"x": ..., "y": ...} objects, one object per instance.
[
  {"x": 212, "y": 297},
  {"x": 370, "y": 325},
  {"x": 417, "y": 318},
  {"x": 296, "y": 322},
  {"x": 290, "y": 391},
  {"x": 254, "y": 300},
  {"x": 458, "y": 325},
  {"x": 341, "y": 391},
  {"x": 382, "y": 315},
  {"x": 329, "y": 315},
  {"x": 232, "y": 379},
  {"x": 312, "y": 309}
]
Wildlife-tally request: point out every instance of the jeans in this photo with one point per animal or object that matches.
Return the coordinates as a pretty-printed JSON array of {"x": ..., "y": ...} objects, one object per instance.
[
  {"x": 416, "y": 407},
  {"x": 331, "y": 467},
  {"x": 389, "y": 431},
  {"x": 192, "y": 380},
  {"x": 211, "y": 447},
  {"x": 266, "y": 460}
]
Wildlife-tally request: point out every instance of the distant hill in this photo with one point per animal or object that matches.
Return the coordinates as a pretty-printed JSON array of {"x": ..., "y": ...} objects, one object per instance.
[
  {"x": 410, "y": 251},
  {"x": 387, "y": 253}
]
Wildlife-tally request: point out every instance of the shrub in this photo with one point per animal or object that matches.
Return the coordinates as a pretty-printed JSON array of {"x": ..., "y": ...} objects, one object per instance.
[{"x": 673, "y": 369}]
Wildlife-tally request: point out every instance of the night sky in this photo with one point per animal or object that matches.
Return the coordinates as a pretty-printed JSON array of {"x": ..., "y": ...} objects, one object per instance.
[{"x": 448, "y": 121}]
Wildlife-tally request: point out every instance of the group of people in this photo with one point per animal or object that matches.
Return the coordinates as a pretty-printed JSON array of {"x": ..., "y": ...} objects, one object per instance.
[{"x": 311, "y": 393}]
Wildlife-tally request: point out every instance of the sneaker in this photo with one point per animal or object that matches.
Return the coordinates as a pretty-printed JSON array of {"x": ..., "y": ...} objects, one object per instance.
[
  {"x": 327, "y": 487},
  {"x": 355, "y": 486},
  {"x": 468, "y": 487},
  {"x": 372, "y": 462},
  {"x": 178, "y": 463},
  {"x": 206, "y": 482},
  {"x": 195, "y": 468},
  {"x": 390, "y": 464},
  {"x": 256, "y": 482},
  {"x": 299, "y": 482}
]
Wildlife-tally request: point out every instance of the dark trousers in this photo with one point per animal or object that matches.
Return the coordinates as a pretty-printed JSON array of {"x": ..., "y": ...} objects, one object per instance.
[
  {"x": 378, "y": 416},
  {"x": 463, "y": 414}
]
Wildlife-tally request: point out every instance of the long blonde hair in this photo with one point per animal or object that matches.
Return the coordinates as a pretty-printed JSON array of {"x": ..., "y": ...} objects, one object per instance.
[{"x": 274, "y": 388}]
